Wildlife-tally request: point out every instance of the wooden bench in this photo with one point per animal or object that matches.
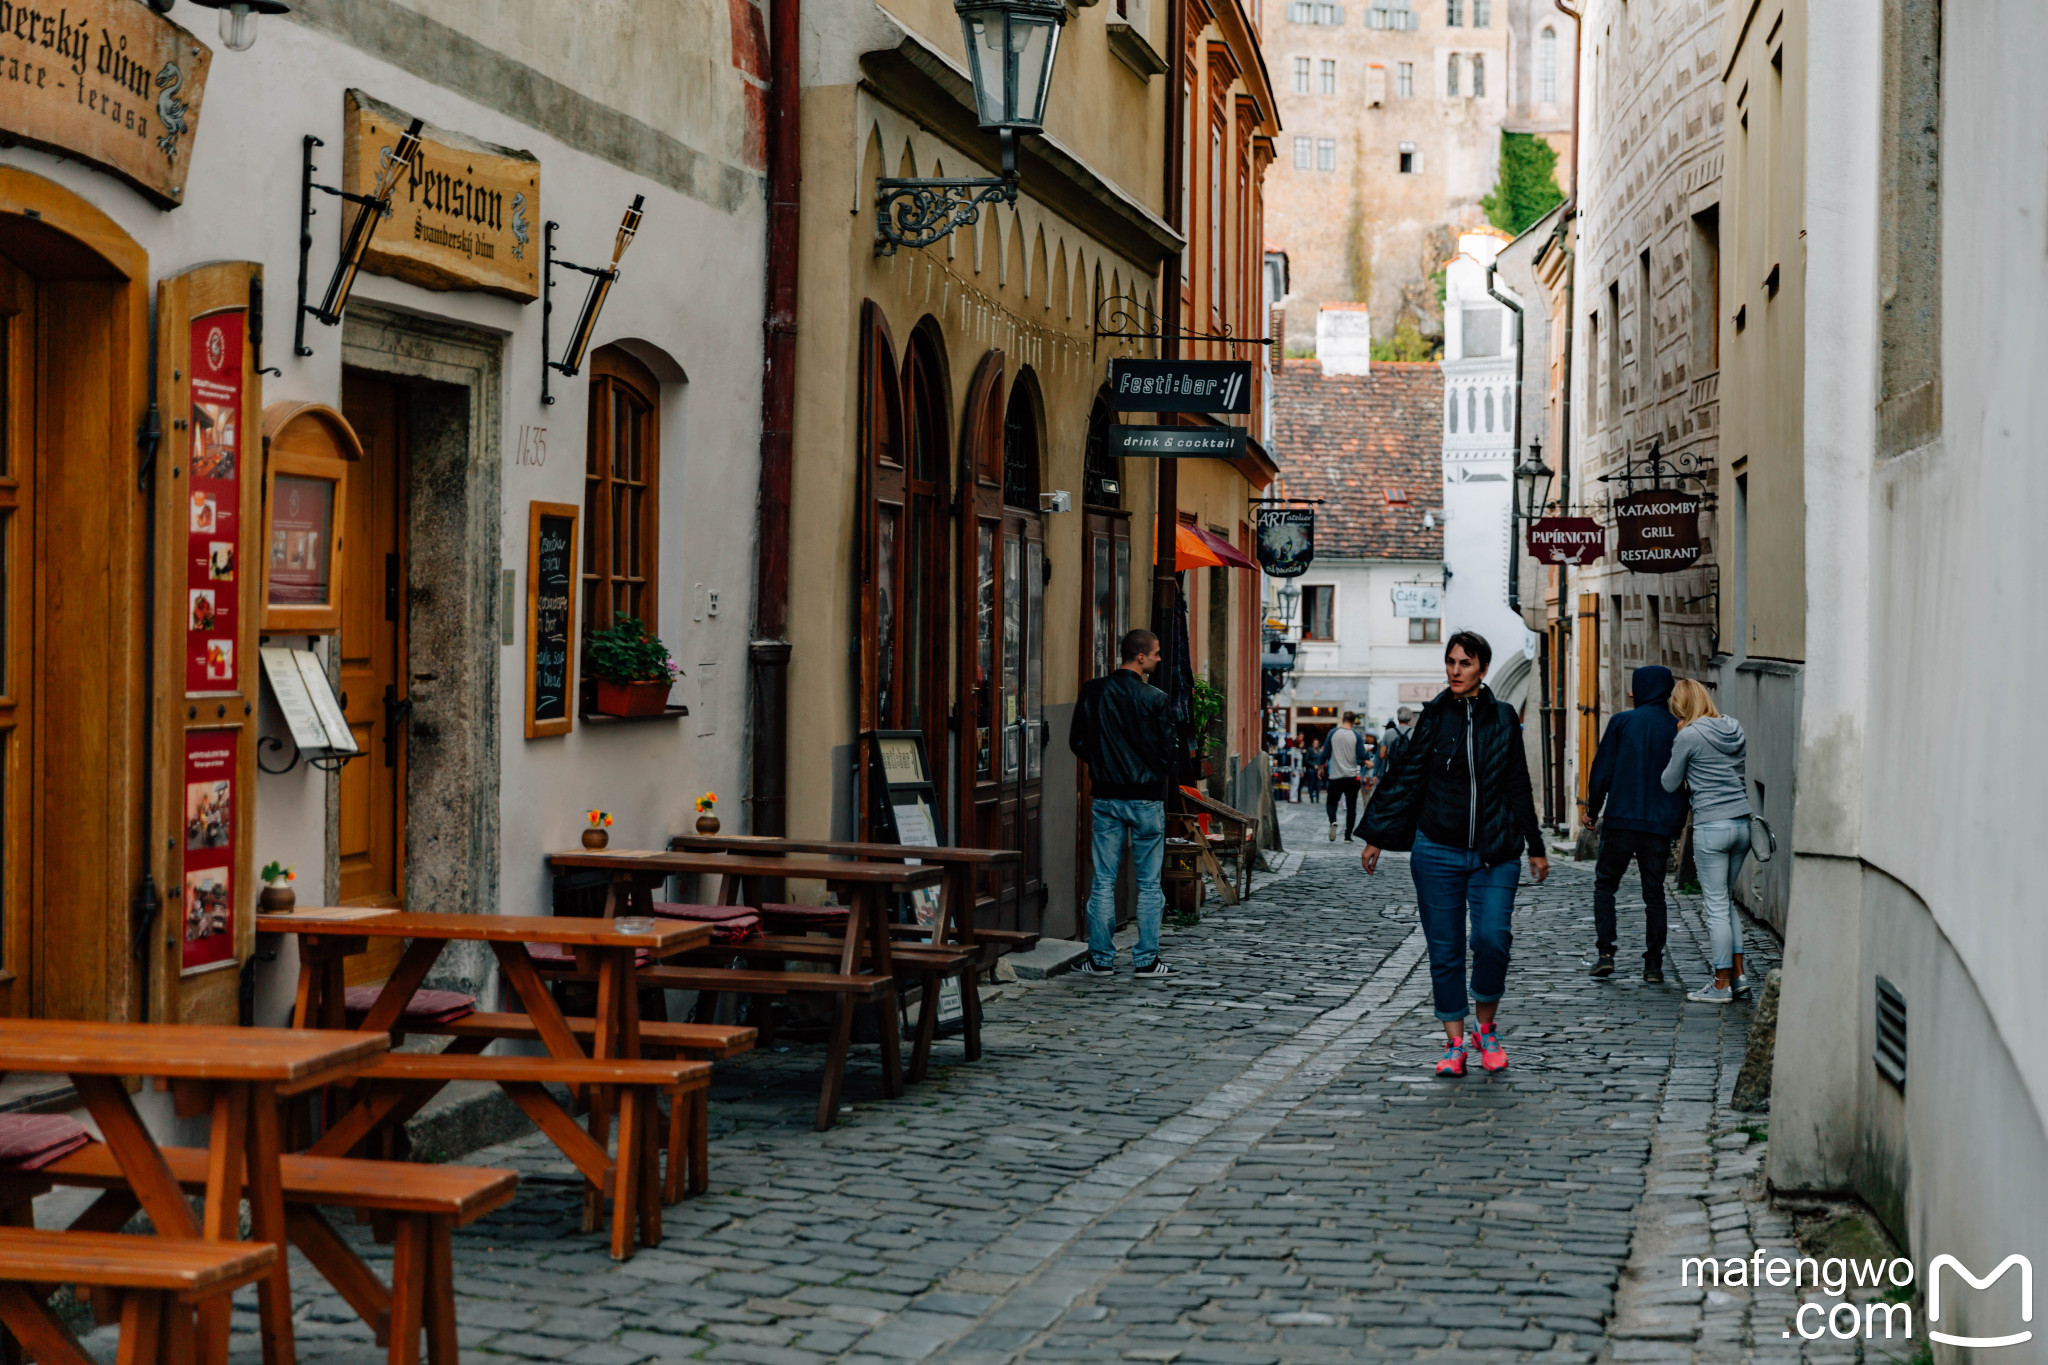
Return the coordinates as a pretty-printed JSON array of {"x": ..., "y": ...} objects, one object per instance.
[
  {"x": 422, "y": 1203},
  {"x": 399, "y": 1084},
  {"x": 688, "y": 1168},
  {"x": 159, "y": 1281}
]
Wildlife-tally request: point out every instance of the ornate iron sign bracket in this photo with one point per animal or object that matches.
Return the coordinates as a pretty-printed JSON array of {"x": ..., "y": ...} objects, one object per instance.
[
  {"x": 1120, "y": 317},
  {"x": 919, "y": 212}
]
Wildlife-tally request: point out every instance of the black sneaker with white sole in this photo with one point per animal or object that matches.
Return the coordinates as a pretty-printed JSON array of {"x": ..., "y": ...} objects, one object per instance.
[
  {"x": 1090, "y": 969},
  {"x": 1155, "y": 971}
]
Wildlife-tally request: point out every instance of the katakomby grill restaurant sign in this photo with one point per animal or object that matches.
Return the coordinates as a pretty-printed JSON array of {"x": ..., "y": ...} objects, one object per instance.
[
  {"x": 1659, "y": 531},
  {"x": 111, "y": 82},
  {"x": 1287, "y": 541},
  {"x": 1567, "y": 540},
  {"x": 1177, "y": 443},
  {"x": 1180, "y": 385}
]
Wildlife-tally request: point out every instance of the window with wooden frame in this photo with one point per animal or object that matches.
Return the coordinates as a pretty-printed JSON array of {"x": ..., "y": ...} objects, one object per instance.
[
  {"x": 621, "y": 492},
  {"x": 1319, "y": 612}
]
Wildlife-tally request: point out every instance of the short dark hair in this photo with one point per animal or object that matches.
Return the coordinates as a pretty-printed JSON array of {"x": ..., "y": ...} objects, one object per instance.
[
  {"x": 1135, "y": 645},
  {"x": 1351, "y": 718},
  {"x": 1473, "y": 643}
]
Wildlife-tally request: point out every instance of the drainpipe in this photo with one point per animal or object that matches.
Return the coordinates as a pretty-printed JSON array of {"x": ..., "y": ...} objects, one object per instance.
[
  {"x": 1165, "y": 595},
  {"x": 768, "y": 655},
  {"x": 1560, "y": 667},
  {"x": 1514, "y": 507}
]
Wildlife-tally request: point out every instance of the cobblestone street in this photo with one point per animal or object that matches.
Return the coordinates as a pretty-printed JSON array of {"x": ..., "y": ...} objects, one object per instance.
[{"x": 1249, "y": 1163}]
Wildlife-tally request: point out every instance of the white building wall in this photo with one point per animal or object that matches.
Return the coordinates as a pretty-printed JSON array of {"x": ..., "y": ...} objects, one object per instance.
[{"x": 1366, "y": 666}]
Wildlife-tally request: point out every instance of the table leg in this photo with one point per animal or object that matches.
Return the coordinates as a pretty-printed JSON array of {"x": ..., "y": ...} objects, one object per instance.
[
  {"x": 891, "y": 1015},
  {"x": 626, "y": 1180},
  {"x": 222, "y": 1222},
  {"x": 440, "y": 1296},
  {"x": 611, "y": 984},
  {"x": 927, "y": 1025},
  {"x": 970, "y": 1005},
  {"x": 267, "y": 1222},
  {"x": 142, "y": 1316},
  {"x": 419, "y": 959},
  {"x": 141, "y": 1160},
  {"x": 835, "y": 1062},
  {"x": 700, "y": 1141},
  {"x": 408, "y": 1277},
  {"x": 38, "y": 1329}
]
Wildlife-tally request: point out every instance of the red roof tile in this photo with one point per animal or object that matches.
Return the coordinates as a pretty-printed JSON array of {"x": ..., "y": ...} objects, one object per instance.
[{"x": 1353, "y": 438}]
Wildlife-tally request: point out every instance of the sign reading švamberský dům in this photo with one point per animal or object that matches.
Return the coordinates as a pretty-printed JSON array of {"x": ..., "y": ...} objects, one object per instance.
[
  {"x": 464, "y": 215},
  {"x": 110, "y": 82},
  {"x": 1657, "y": 531}
]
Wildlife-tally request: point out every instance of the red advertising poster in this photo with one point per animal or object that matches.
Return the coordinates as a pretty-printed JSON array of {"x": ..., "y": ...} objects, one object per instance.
[
  {"x": 301, "y": 541},
  {"x": 214, "y": 504},
  {"x": 208, "y": 902}
]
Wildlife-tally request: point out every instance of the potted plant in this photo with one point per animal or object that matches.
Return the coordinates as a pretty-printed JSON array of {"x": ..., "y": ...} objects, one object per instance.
[
  {"x": 707, "y": 813},
  {"x": 633, "y": 670},
  {"x": 277, "y": 896},
  {"x": 1206, "y": 704},
  {"x": 595, "y": 836}
]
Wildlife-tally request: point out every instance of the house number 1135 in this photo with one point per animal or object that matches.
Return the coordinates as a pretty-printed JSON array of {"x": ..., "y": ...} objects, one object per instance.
[{"x": 533, "y": 446}]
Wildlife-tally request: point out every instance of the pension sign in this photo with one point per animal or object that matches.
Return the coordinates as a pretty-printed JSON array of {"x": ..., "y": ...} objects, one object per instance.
[{"x": 1657, "y": 531}]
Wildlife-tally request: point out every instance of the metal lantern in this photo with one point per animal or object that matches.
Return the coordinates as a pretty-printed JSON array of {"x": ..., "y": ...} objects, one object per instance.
[
  {"x": 1010, "y": 49},
  {"x": 1532, "y": 481},
  {"x": 1290, "y": 598},
  {"x": 238, "y": 19}
]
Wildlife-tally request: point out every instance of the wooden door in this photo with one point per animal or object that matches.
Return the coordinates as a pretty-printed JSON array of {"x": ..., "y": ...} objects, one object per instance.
[
  {"x": 17, "y": 612},
  {"x": 1105, "y": 616},
  {"x": 372, "y": 644},
  {"x": 981, "y": 535}
]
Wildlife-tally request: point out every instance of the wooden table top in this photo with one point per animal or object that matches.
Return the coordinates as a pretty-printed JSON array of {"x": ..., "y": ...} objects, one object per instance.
[
  {"x": 664, "y": 864},
  {"x": 292, "y": 1059},
  {"x": 761, "y": 843},
  {"x": 571, "y": 930}
]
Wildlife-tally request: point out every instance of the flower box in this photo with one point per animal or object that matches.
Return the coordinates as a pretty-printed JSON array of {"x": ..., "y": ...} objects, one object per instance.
[{"x": 632, "y": 699}]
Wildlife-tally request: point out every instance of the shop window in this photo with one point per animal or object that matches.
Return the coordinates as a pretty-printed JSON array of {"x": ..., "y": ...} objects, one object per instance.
[
  {"x": 621, "y": 528},
  {"x": 1425, "y": 630},
  {"x": 1318, "y": 612}
]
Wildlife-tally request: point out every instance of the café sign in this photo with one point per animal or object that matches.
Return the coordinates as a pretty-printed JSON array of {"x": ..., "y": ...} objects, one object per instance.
[
  {"x": 465, "y": 214},
  {"x": 1658, "y": 530},
  {"x": 111, "y": 82},
  {"x": 1566, "y": 540}
]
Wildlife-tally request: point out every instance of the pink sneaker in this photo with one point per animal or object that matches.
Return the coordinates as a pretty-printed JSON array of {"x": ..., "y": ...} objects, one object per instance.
[
  {"x": 1452, "y": 1063},
  {"x": 1492, "y": 1055}
]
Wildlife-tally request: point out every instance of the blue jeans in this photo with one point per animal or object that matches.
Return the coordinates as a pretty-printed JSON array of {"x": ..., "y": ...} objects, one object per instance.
[
  {"x": 1144, "y": 824},
  {"x": 1447, "y": 881},
  {"x": 1718, "y": 848}
]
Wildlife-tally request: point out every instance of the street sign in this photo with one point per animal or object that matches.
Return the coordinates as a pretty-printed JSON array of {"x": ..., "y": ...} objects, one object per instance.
[
  {"x": 1567, "y": 540},
  {"x": 1287, "y": 541},
  {"x": 1177, "y": 443},
  {"x": 1180, "y": 385},
  {"x": 1658, "y": 530},
  {"x": 1418, "y": 599}
]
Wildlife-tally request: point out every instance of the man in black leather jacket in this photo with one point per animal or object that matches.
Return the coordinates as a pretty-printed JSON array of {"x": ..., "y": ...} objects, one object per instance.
[
  {"x": 1123, "y": 730},
  {"x": 1458, "y": 798}
]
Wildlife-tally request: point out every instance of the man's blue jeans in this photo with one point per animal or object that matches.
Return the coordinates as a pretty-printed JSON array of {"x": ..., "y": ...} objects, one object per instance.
[
  {"x": 1144, "y": 824},
  {"x": 1451, "y": 883}
]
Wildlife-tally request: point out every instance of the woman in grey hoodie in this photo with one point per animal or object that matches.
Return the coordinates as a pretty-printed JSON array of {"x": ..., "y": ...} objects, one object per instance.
[{"x": 1708, "y": 756}]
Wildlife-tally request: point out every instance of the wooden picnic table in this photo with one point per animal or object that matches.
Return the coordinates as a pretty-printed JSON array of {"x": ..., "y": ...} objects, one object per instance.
[
  {"x": 235, "y": 1075},
  {"x": 865, "y": 955},
  {"x": 605, "y": 948}
]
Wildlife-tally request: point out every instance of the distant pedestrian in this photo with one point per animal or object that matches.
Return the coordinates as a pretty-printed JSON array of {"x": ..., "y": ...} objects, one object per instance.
[
  {"x": 1314, "y": 771},
  {"x": 1398, "y": 728},
  {"x": 1637, "y": 817},
  {"x": 1123, "y": 730},
  {"x": 1347, "y": 750},
  {"x": 1709, "y": 756},
  {"x": 1369, "y": 770},
  {"x": 1458, "y": 798}
]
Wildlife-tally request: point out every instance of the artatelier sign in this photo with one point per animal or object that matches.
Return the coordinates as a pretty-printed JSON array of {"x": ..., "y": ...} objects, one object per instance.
[
  {"x": 1287, "y": 541},
  {"x": 465, "y": 215},
  {"x": 1658, "y": 531},
  {"x": 1567, "y": 540},
  {"x": 1180, "y": 385},
  {"x": 213, "y": 511},
  {"x": 1177, "y": 443},
  {"x": 111, "y": 82}
]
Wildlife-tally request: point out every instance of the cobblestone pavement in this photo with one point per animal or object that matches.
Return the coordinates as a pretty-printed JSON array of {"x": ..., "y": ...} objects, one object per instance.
[{"x": 1249, "y": 1163}]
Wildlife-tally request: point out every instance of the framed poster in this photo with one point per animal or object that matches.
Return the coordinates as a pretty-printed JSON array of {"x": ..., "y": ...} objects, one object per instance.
[
  {"x": 308, "y": 449},
  {"x": 209, "y": 793},
  {"x": 552, "y": 574},
  {"x": 217, "y": 461}
]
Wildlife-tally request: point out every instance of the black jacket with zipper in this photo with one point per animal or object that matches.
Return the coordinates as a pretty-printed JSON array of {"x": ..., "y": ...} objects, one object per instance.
[
  {"x": 1461, "y": 777},
  {"x": 1123, "y": 731}
]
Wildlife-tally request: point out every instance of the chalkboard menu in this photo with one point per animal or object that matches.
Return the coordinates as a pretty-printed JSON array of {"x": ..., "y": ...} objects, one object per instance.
[{"x": 552, "y": 574}]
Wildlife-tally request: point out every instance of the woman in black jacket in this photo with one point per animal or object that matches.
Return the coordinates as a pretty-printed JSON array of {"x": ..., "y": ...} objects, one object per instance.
[{"x": 1458, "y": 799}]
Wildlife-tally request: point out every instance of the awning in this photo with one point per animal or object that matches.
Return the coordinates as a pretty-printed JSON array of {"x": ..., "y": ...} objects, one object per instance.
[{"x": 1195, "y": 548}]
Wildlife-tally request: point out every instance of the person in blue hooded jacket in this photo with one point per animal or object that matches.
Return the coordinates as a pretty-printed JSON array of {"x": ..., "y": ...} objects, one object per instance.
[{"x": 1637, "y": 818}]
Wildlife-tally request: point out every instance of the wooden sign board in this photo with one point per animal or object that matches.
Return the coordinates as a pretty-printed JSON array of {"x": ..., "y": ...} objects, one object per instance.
[
  {"x": 554, "y": 579},
  {"x": 111, "y": 82},
  {"x": 465, "y": 215}
]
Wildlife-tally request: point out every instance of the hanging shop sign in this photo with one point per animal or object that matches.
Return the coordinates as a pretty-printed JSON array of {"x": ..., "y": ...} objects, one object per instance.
[
  {"x": 1658, "y": 530},
  {"x": 1177, "y": 443},
  {"x": 214, "y": 504},
  {"x": 1418, "y": 599},
  {"x": 111, "y": 82},
  {"x": 465, "y": 214},
  {"x": 1287, "y": 541},
  {"x": 209, "y": 904},
  {"x": 1180, "y": 385},
  {"x": 1567, "y": 540}
]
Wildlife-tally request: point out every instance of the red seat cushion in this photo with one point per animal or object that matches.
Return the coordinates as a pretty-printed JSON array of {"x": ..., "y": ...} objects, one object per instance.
[
  {"x": 440, "y": 1007},
  {"x": 29, "y": 1142},
  {"x": 562, "y": 956},
  {"x": 711, "y": 913},
  {"x": 800, "y": 919}
]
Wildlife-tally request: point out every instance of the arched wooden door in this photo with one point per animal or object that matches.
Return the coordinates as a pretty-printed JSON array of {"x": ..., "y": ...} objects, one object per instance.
[{"x": 1105, "y": 597}]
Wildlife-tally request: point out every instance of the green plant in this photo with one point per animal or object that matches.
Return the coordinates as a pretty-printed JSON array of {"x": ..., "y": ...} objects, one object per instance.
[
  {"x": 1207, "y": 705},
  {"x": 628, "y": 652},
  {"x": 1407, "y": 343},
  {"x": 1527, "y": 188}
]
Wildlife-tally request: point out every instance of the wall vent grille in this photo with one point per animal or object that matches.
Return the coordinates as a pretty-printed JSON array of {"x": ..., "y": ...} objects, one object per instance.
[{"x": 1891, "y": 1033}]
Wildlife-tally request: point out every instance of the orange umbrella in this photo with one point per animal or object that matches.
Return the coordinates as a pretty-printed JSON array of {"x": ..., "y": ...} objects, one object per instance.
[{"x": 1195, "y": 548}]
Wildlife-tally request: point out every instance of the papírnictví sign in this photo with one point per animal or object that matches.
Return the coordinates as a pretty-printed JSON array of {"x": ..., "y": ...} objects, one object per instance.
[
  {"x": 1658, "y": 531},
  {"x": 1177, "y": 443},
  {"x": 1567, "y": 540},
  {"x": 1180, "y": 385}
]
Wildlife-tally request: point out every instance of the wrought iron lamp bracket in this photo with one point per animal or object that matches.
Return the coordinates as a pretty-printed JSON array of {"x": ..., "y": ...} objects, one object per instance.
[
  {"x": 358, "y": 237},
  {"x": 547, "y": 305},
  {"x": 306, "y": 215},
  {"x": 917, "y": 212},
  {"x": 1121, "y": 317}
]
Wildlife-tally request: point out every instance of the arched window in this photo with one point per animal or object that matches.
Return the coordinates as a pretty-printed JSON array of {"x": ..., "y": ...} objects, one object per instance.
[
  {"x": 1452, "y": 405},
  {"x": 1546, "y": 66},
  {"x": 1489, "y": 409},
  {"x": 1102, "y": 479},
  {"x": 1471, "y": 409},
  {"x": 1478, "y": 76},
  {"x": 622, "y": 464},
  {"x": 1451, "y": 78},
  {"x": 1020, "y": 451}
]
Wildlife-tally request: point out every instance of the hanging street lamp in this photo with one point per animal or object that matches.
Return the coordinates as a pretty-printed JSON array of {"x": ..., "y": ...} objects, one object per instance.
[
  {"x": 1289, "y": 597},
  {"x": 1532, "y": 481},
  {"x": 238, "y": 19},
  {"x": 1011, "y": 45}
]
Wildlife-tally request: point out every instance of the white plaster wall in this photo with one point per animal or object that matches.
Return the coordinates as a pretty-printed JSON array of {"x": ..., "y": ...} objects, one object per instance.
[{"x": 1371, "y": 657}]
